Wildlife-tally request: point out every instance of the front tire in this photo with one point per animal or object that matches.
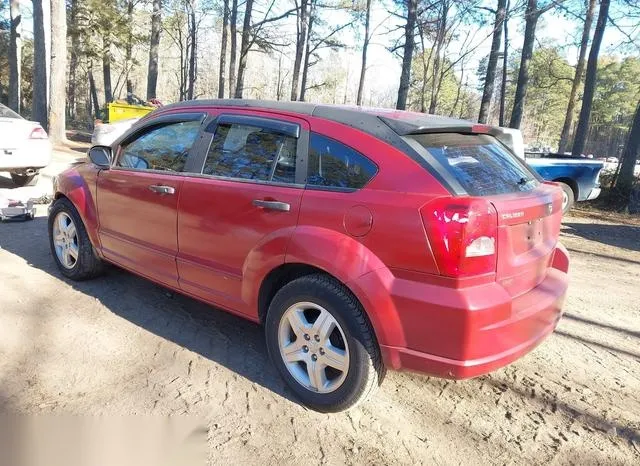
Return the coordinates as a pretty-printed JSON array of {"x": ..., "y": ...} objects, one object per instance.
[
  {"x": 321, "y": 341},
  {"x": 70, "y": 245},
  {"x": 24, "y": 180}
]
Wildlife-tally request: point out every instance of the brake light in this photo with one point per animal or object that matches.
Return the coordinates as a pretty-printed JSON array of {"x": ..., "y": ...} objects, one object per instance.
[
  {"x": 38, "y": 133},
  {"x": 463, "y": 235},
  {"x": 481, "y": 129}
]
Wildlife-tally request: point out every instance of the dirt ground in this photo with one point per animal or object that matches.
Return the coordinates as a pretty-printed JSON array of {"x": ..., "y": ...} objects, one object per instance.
[{"x": 120, "y": 345}]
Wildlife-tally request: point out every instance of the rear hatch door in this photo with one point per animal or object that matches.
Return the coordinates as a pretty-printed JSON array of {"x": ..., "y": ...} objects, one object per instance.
[
  {"x": 529, "y": 210},
  {"x": 528, "y": 231}
]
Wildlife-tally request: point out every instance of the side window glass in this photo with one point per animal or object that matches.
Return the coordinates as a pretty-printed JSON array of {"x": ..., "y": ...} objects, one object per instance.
[
  {"x": 251, "y": 153},
  {"x": 332, "y": 164},
  {"x": 163, "y": 148}
]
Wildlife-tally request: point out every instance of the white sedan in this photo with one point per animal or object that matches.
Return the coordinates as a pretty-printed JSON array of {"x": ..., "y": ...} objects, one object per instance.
[{"x": 24, "y": 147}]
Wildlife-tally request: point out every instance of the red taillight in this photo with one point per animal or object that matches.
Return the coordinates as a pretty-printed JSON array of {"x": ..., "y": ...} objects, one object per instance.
[
  {"x": 463, "y": 233},
  {"x": 38, "y": 133}
]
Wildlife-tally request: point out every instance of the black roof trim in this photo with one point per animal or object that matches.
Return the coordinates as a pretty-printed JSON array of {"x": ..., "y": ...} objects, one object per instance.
[
  {"x": 357, "y": 117},
  {"x": 303, "y": 108}
]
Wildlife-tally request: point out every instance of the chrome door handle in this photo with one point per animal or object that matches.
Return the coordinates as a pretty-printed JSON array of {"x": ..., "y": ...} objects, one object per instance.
[
  {"x": 160, "y": 189},
  {"x": 272, "y": 205}
]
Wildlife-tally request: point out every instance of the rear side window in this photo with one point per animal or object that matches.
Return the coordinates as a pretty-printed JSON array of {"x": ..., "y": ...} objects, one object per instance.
[
  {"x": 162, "y": 148},
  {"x": 6, "y": 112},
  {"x": 334, "y": 165},
  {"x": 251, "y": 153},
  {"x": 478, "y": 162}
]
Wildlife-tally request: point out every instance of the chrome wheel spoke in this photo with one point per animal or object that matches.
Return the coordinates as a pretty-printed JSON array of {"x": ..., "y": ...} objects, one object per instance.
[
  {"x": 73, "y": 251},
  {"x": 317, "y": 375},
  {"x": 336, "y": 358},
  {"x": 298, "y": 323},
  {"x": 71, "y": 230},
  {"x": 67, "y": 258},
  {"x": 294, "y": 352},
  {"x": 324, "y": 325},
  {"x": 62, "y": 223}
]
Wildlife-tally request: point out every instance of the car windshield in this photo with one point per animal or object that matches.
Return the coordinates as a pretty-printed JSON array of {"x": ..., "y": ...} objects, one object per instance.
[
  {"x": 481, "y": 165},
  {"x": 6, "y": 112}
]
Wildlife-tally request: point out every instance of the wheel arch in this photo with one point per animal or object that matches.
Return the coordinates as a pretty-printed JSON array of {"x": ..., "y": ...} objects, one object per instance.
[
  {"x": 313, "y": 250},
  {"x": 74, "y": 186},
  {"x": 571, "y": 183}
]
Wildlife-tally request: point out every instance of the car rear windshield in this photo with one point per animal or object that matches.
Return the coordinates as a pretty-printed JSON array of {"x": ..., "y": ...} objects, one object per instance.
[
  {"x": 6, "y": 112},
  {"x": 478, "y": 162}
]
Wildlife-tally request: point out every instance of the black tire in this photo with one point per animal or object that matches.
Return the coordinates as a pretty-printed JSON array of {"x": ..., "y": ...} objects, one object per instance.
[
  {"x": 24, "y": 180},
  {"x": 366, "y": 370},
  {"x": 88, "y": 265},
  {"x": 569, "y": 197}
]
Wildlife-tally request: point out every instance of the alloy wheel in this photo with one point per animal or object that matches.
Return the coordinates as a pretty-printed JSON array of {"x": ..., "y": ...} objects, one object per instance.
[
  {"x": 313, "y": 347},
  {"x": 65, "y": 240}
]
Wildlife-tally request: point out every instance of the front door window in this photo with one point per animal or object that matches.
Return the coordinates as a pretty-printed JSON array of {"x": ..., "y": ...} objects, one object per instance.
[{"x": 164, "y": 148}]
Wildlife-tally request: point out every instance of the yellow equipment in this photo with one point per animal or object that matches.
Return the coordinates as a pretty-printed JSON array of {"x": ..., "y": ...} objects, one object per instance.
[{"x": 117, "y": 111}]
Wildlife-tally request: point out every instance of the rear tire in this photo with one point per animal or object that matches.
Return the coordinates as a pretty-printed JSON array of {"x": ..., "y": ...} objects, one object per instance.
[
  {"x": 350, "y": 343},
  {"x": 70, "y": 244},
  {"x": 24, "y": 180},
  {"x": 568, "y": 197}
]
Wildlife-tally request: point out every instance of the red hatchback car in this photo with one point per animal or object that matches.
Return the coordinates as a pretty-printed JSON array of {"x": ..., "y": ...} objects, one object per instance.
[{"x": 362, "y": 239}]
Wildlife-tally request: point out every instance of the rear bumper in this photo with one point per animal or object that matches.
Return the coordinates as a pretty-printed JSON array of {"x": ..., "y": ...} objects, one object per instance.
[
  {"x": 482, "y": 329},
  {"x": 35, "y": 154},
  {"x": 594, "y": 193}
]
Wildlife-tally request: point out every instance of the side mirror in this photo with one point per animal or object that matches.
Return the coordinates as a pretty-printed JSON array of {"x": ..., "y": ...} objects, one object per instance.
[{"x": 100, "y": 156}]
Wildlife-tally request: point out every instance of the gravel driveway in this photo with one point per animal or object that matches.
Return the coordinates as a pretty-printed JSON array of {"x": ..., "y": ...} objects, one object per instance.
[{"x": 121, "y": 345}]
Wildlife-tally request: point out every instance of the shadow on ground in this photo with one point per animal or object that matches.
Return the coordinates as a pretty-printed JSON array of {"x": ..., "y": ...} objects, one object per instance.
[
  {"x": 621, "y": 236},
  {"x": 6, "y": 182},
  {"x": 230, "y": 341},
  {"x": 236, "y": 343}
]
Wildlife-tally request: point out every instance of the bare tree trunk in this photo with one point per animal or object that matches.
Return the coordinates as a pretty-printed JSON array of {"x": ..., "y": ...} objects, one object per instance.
[
  {"x": 128, "y": 45},
  {"x": 73, "y": 63},
  {"x": 223, "y": 49},
  {"x": 624, "y": 181},
  {"x": 106, "y": 69},
  {"x": 279, "y": 83},
  {"x": 590, "y": 80},
  {"x": 233, "y": 24},
  {"x": 531, "y": 20},
  {"x": 301, "y": 42},
  {"x": 41, "y": 14},
  {"x": 365, "y": 47},
  {"x": 458, "y": 91},
  {"x": 409, "y": 46},
  {"x": 154, "y": 46},
  {"x": 15, "y": 56},
  {"x": 244, "y": 48},
  {"x": 57, "y": 101},
  {"x": 426, "y": 63},
  {"x": 94, "y": 93},
  {"x": 193, "y": 63},
  {"x": 489, "y": 80},
  {"x": 437, "y": 77},
  {"x": 505, "y": 63},
  {"x": 577, "y": 79},
  {"x": 307, "y": 53}
]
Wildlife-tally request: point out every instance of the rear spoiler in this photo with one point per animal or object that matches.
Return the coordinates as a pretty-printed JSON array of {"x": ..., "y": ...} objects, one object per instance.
[{"x": 509, "y": 137}]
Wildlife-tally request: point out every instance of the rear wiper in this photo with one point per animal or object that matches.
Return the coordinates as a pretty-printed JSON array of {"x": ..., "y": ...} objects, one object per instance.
[{"x": 524, "y": 181}]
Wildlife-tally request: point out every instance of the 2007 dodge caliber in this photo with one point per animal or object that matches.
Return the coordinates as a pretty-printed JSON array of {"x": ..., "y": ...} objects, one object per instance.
[{"x": 362, "y": 239}]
